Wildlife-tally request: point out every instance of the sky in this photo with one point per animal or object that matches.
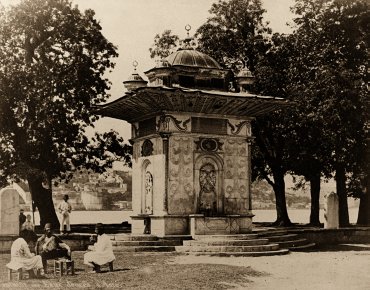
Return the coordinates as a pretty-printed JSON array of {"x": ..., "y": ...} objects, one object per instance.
[{"x": 132, "y": 25}]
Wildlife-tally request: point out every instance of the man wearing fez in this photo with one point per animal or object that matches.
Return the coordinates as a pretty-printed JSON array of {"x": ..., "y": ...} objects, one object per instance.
[
  {"x": 101, "y": 252},
  {"x": 50, "y": 246}
]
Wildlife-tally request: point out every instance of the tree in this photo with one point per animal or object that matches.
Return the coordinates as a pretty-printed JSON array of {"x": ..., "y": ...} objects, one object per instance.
[
  {"x": 52, "y": 64},
  {"x": 297, "y": 128},
  {"x": 334, "y": 55},
  {"x": 323, "y": 131},
  {"x": 324, "y": 75},
  {"x": 234, "y": 34},
  {"x": 164, "y": 44}
]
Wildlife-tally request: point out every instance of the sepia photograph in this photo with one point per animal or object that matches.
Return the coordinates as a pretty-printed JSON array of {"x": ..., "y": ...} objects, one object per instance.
[{"x": 184, "y": 144}]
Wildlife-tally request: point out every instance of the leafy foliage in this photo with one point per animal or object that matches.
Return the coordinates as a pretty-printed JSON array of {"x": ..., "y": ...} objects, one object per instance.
[
  {"x": 234, "y": 33},
  {"x": 52, "y": 64},
  {"x": 164, "y": 45},
  {"x": 321, "y": 69},
  {"x": 333, "y": 39}
]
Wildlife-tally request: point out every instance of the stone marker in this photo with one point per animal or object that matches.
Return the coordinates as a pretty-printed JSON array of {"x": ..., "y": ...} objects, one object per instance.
[
  {"x": 331, "y": 211},
  {"x": 9, "y": 211}
]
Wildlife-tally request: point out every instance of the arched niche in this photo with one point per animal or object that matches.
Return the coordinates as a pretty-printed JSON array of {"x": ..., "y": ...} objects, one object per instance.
[
  {"x": 147, "y": 187},
  {"x": 208, "y": 185}
]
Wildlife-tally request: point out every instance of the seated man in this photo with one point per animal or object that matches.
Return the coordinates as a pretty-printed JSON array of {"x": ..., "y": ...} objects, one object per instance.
[
  {"x": 102, "y": 251},
  {"x": 50, "y": 246},
  {"x": 21, "y": 257}
]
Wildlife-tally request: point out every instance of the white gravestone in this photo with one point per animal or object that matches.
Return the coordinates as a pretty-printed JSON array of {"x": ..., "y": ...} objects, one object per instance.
[
  {"x": 331, "y": 211},
  {"x": 9, "y": 211}
]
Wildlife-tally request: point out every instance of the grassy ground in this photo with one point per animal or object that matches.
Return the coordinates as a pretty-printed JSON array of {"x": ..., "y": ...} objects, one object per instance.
[
  {"x": 335, "y": 268},
  {"x": 139, "y": 271}
]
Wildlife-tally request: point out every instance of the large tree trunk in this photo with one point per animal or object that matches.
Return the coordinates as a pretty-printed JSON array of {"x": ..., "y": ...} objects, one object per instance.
[
  {"x": 282, "y": 218},
  {"x": 42, "y": 198},
  {"x": 315, "y": 200},
  {"x": 340, "y": 178}
]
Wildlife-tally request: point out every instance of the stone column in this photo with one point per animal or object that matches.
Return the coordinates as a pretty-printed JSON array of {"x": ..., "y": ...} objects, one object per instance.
[
  {"x": 165, "y": 138},
  {"x": 331, "y": 211},
  {"x": 249, "y": 168},
  {"x": 9, "y": 211}
]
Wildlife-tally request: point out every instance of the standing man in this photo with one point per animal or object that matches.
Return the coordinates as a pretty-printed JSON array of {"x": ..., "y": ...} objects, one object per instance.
[
  {"x": 22, "y": 219},
  {"x": 65, "y": 209}
]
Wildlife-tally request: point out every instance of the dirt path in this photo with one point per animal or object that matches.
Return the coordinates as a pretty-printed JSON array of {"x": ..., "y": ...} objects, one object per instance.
[{"x": 316, "y": 270}]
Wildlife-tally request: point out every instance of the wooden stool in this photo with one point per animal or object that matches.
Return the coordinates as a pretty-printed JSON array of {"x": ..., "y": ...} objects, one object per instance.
[
  {"x": 110, "y": 265},
  {"x": 19, "y": 274},
  {"x": 63, "y": 266}
]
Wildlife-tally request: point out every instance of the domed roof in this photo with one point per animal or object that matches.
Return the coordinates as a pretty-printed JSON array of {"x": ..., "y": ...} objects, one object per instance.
[
  {"x": 191, "y": 57},
  {"x": 134, "y": 80},
  {"x": 135, "y": 77},
  {"x": 245, "y": 73}
]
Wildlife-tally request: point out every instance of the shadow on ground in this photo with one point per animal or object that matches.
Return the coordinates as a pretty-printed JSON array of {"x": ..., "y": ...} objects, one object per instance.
[{"x": 343, "y": 247}]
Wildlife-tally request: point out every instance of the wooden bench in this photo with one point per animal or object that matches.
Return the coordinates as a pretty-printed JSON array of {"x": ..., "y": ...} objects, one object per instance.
[{"x": 64, "y": 267}]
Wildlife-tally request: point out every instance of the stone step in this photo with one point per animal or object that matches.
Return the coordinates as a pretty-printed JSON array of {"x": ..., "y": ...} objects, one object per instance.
[
  {"x": 302, "y": 248},
  {"x": 266, "y": 233},
  {"x": 206, "y": 243},
  {"x": 126, "y": 237},
  {"x": 146, "y": 243},
  {"x": 240, "y": 254},
  {"x": 144, "y": 249},
  {"x": 175, "y": 238},
  {"x": 219, "y": 249},
  {"x": 292, "y": 243},
  {"x": 226, "y": 237},
  {"x": 280, "y": 238}
]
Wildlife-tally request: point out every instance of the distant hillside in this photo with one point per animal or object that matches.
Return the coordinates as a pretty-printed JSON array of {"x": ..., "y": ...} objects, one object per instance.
[
  {"x": 88, "y": 190},
  {"x": 263, "y": 196}
]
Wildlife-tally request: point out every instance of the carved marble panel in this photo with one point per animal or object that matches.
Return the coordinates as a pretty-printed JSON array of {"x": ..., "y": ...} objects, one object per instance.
[
  {"x": 147, "y": 147},
  {"x": 236, "y": 205},
  {"x": 239, "y": 127},
  {"x": 208, "y": 144},
  {"x": 173, "y": 123},
  {"x": 148, "y": 195},
  {"x": 242, "y": 167},
  {"x": 181, "y": 194},
  {"x": 230, "y": 146},
  {"x": 236, "y": 184}
]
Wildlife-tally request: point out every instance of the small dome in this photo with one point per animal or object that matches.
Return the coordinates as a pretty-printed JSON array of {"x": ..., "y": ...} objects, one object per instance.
[
  {"x": 194, "y": 58},
  {"x": 135, "y": 77},
  {"x": 134, "y": 80},
  {"x": 245, "y": 73}
]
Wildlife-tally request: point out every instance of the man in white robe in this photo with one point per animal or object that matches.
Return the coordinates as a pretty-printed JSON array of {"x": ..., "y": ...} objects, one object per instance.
[
  {"x": 21, "y": 257},
  {"x": 65, "y": 208},
  {"x": 101, "y": 252}
]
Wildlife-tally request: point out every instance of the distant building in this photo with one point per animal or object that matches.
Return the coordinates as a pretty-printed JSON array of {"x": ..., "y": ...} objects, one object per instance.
[{"x": 94, "y": 191}]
